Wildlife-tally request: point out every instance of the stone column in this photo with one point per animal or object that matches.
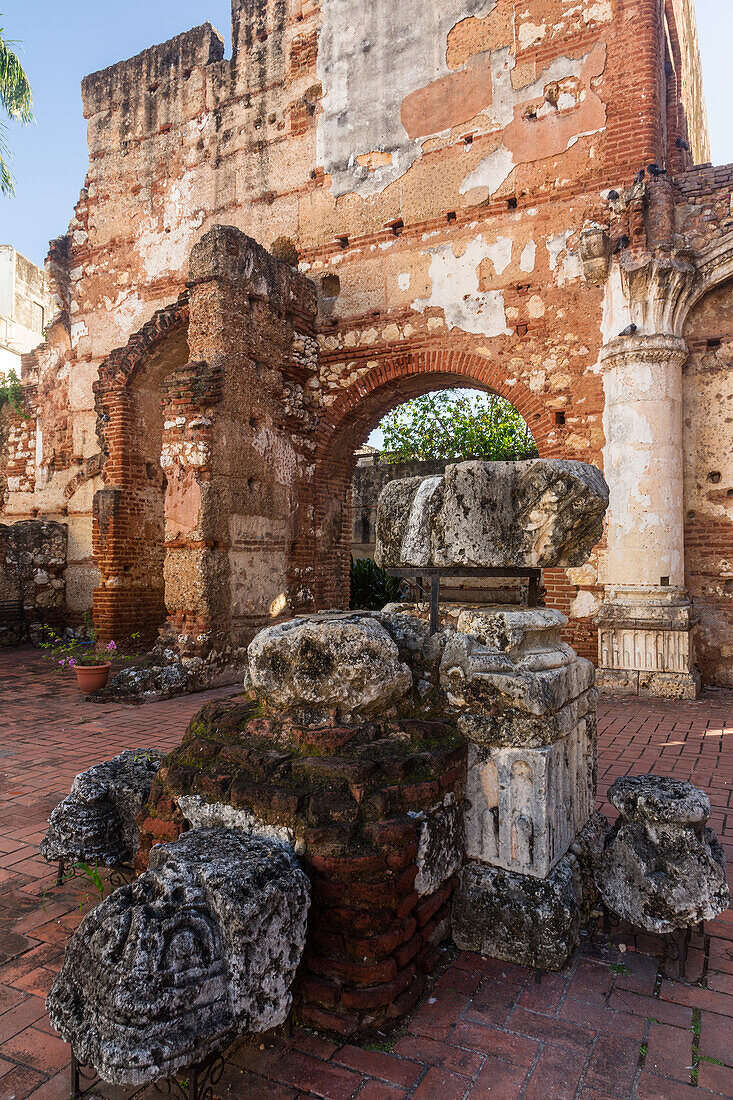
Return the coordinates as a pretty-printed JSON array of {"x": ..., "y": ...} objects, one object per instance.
[{"x": 644, "y": 624}]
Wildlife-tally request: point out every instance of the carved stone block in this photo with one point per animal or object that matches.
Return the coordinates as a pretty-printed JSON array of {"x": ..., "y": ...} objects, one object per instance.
[
  {"x": 525, "y": 806},
  {"x": 201, "y": 948},
  {"x": 662, "y": 869},
  {"x": 97, "y": 821},
  {"x": 536, "y": 513}
]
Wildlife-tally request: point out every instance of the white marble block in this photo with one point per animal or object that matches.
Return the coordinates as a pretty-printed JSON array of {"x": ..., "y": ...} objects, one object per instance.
[{"x": 525, "y": 806}]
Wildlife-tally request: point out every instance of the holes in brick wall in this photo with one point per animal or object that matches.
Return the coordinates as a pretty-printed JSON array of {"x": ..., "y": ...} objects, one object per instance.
[
  {"x": 284, "y": 249},
  {"x": 511, "y": 203},
  {"x": 714, "y": 476},
  {"x": 468, "y": 140},
  {"x": 342, "y": 240},
  {"x": 664, "y": 581},
  {"x": 254, "y": 423},
  {"x": 560, "y": 418},
  {"x": 450, "y": 216},
  {"x": 330, "y": 286},
  {"x": 396, "y": 226},
  {"x": 714, "y": 343}
]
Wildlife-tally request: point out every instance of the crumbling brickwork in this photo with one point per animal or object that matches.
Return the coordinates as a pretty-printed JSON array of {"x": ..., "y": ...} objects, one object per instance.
[{"x": 456, "y": 184}]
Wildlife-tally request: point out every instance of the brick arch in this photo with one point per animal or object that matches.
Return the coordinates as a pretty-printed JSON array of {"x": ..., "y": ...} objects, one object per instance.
[
  {"x": 128, "y": 513},
  {"x": 359, "y": 408}
]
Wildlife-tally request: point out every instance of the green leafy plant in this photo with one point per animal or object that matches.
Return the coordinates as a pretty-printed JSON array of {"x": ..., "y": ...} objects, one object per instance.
[
  {"x": 16, "y": 100},
  {"x": 11, "y": 393},
  {"x": 86, "y": 651},
  {"x": 371, "y": 587},
  {"x": 455, "y": 425},
  {"x": 90, "y": 873}
]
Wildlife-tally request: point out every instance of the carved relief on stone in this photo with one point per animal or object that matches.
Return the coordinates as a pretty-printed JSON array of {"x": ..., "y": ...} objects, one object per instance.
[
  {"x": 201, "y": 948},
  {"x": 525, "y": 806},
  {"x": 97, "y": 821}
]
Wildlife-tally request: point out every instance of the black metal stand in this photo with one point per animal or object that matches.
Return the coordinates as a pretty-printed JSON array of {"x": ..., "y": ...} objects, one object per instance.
[
  {"x": 119, "y": 875},
  {"x": 435, "y": 575},
  {"x": 197, "y": 1083}
]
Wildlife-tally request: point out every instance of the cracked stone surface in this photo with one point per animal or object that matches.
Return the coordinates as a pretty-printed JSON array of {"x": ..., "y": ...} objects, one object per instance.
[
  {"x": 662, "y": 869},
  {"x": 97, "y": 821},
  {"x": 537, "y": 514},
  {"x": 524, "y": 920},
  {"x": 348, "y": 663},
  {"x": 201, "y": 948}
]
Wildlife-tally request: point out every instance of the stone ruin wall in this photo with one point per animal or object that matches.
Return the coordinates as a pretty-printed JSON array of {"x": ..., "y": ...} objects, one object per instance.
[{"x": 444, "y": 243}]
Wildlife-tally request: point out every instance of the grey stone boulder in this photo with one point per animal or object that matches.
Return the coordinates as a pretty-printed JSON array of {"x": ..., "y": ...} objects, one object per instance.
[
  {"x": 662, "y": 869},
  {"x": 97, "y": 821},
  {"x": 517, "y": 918},
  {"x": 539, "y": 513},
  {"x": 200, "y": 949},
  {"x": 348, "y": 662}
]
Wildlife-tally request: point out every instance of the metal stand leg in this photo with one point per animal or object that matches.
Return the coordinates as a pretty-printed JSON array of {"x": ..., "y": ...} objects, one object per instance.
[
  {"x": 538, "y": 976},
  {"x": 60, "y": 875},
  {"x": 75, "y": 1089},
  {"x": 434, "y": 604}
]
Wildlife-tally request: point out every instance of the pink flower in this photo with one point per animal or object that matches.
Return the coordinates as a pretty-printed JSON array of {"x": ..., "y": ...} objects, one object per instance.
[
  {"x": 112, "y": 646},
  {"x": 71, "y": 662}
]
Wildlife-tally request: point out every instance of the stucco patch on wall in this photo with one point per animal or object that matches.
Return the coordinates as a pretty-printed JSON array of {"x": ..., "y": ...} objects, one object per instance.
[
  {"x": 371, "y": 57},
  {"x": 455, "y": 290}
]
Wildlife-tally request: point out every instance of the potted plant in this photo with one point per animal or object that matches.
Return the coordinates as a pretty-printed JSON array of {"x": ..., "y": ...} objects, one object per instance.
[{"x": 90, "y": 662}]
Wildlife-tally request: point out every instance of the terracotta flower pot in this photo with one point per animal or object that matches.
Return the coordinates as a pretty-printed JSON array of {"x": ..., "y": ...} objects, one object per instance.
[{"x": 92, "y": 677}]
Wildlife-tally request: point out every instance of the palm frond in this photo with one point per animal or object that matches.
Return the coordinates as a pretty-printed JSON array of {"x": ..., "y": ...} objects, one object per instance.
[
  {"x": 16, "y": 96},
  {"x": 7, "y": 183}
]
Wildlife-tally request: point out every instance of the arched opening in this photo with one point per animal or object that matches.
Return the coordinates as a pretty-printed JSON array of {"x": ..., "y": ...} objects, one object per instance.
[
  {"x": 130, "y": 511},
  {"x": 707, "y": 412},
  {"x": 148, "y": 478},
  {"x": 352, "y": 418}
]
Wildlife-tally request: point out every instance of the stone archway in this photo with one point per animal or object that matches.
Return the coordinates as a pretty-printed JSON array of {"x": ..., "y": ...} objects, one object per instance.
[{"x": 358, "y": 409}]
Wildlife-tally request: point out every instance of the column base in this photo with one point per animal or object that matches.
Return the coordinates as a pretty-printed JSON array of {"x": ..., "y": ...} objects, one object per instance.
[
  {"x": 517, "y": 918},
  {"x": 645, "y": 644}
]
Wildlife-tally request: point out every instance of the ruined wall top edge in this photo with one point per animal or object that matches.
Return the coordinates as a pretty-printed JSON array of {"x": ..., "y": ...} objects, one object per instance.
[{"x": 107, "y": 88}]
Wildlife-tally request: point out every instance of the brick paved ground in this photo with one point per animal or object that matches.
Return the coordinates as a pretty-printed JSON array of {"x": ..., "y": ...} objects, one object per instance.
[{"x": 612, "y": 1025}]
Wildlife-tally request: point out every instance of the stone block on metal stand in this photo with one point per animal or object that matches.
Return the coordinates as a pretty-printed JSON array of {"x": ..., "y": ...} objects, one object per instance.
[{"x": 662, "y": 870}]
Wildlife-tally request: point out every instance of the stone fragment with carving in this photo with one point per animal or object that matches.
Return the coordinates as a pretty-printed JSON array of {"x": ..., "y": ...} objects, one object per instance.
[
  {"x": 540, "y": 513},
  {"x": 201, "y": 948},
  {"x": 97, "y": 821},
  {"x": 662, "y": 869}
]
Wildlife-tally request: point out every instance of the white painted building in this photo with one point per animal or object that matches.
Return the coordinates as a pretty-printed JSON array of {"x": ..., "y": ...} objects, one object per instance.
[{"x": 25, "y": 307}]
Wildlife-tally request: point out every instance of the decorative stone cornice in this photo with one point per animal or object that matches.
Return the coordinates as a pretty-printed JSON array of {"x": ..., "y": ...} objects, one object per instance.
[{"x": 659, "y": 348}]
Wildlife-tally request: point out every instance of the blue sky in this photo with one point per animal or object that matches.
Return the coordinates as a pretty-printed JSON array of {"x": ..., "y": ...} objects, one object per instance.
[{"x": 63, "y": 40}]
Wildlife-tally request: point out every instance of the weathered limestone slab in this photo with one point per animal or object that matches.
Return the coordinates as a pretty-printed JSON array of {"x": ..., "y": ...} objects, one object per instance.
[
  {"x": 538, "y": 513},
  {"x": 440, "y": 845},
  {"x": 525, "y": 806},
  {"x": 97, "y": 821},
  {"x": 662, "y": 869},
  {"x": 345, "y": 662},
  {"x": 201, "y": 948}
]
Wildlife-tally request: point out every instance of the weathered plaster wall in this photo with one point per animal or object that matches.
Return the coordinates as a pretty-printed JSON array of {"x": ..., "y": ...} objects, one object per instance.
[{"x": 708, "y": 431}]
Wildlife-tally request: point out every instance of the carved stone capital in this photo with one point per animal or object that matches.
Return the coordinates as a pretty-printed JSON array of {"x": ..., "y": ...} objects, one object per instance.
[{"x": 659, "y": 348}]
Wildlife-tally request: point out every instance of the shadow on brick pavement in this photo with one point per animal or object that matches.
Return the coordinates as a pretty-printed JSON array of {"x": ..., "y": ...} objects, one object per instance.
[{"x": 613, "y": 1024}]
